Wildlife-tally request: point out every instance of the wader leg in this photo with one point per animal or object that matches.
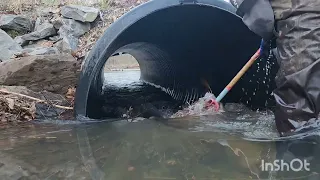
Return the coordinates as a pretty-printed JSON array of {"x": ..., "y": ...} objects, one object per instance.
[{"x": 298, "y": 80}]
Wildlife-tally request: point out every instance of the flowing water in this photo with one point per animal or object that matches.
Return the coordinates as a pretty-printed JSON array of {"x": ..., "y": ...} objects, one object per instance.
[{"x": 235, "y": 144}]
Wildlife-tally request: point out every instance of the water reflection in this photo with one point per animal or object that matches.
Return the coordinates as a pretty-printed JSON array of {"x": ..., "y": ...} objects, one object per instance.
[{"x": 146, "y": 149}]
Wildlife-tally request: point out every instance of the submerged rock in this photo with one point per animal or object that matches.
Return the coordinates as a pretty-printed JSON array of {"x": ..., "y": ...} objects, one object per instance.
[
  {"x": 8, "y": 46},
  {"x": 15, "y": 22},
  {"x": 54, "y": 73},
  {"x": 42, "y": 31},
  {"x": 80, "y": 13}
]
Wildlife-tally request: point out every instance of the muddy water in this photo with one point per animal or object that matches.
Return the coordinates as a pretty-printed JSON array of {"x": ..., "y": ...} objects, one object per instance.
[{"x": 232, "y": 145}]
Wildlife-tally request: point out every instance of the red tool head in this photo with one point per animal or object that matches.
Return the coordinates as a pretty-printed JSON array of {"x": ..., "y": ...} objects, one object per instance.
[{"x": 213, "y": 103}]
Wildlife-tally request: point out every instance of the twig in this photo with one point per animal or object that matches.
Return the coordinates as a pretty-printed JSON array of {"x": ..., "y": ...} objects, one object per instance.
[
  {"x": 50, "y": 103},
  {"x": 34, "y": 99}
]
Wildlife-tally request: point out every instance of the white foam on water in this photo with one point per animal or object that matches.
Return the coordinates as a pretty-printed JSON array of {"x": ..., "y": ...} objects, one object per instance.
[{"x": 253, "y": 124}]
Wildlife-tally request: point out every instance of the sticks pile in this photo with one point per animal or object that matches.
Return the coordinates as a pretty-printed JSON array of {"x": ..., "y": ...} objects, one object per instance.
[{"x": 19, "y": 107}]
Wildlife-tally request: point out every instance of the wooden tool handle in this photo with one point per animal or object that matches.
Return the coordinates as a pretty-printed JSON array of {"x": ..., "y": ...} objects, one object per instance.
[{"x": 243, "y": 70}]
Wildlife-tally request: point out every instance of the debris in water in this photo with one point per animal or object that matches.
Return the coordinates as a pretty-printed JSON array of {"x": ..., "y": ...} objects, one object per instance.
[
  {"x": 18, "y": 107},
  {"x": 199, "y": 108},
  {"x": 131, "y": 168},
  {"x": 15, "y": 108}
]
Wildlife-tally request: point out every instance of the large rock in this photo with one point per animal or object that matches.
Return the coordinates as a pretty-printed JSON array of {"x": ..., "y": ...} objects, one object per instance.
[
  {"x": 56, "y": 21},
  {"x": 40, "y": 51},
  {"x": 42, "y": 31},
  {"x": 15, "y": 22},
  {"x": 74, "y": 28},
  {"x": 70, "y": 32},
  {"x": 54, "y": 73},
  {"x": 20, "y": 41},
  {"x": 8, "y": 47},
  {"x": 68, "y": 44},
  {"x": 38, "y": 22},
  {"x": 80, "y": 13}
]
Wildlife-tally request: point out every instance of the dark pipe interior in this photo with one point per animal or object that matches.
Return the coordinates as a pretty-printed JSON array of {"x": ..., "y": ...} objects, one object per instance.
[{"x": 176, "y": 47}]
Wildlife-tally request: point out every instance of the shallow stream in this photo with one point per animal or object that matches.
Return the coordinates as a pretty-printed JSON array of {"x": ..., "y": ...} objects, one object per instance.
[{"x": 236, "y": 145}]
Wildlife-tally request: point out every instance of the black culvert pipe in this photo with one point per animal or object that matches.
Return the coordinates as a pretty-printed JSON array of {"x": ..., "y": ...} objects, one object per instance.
[{"x": 177, "y": 43}]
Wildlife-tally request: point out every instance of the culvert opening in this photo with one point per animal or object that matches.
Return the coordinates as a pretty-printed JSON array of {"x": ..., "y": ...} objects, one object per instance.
[
  {"x": 178, "y": 46},
  {"x": 125, "y": 95}
]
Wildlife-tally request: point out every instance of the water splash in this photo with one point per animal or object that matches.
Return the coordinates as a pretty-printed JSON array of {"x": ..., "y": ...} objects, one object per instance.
[{"x": 198, "y": 108}]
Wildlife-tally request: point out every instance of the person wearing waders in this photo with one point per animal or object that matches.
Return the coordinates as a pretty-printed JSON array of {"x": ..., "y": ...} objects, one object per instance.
[{"x": 295, "y": 25}]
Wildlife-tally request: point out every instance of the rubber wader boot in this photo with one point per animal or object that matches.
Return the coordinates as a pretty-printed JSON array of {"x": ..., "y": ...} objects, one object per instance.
[{"x": 297, "y": 96}]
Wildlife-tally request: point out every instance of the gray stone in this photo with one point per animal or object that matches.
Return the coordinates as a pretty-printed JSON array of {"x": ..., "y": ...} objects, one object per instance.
[
  {"x": 74, "y": 28},
  {"x": 68, "y": 44},
  {"x": 21, "y": 41},
  {"x": 38, "y": 22},
  {"x": 42, "y": 31},
  {"x": 54, "y": 73},
  {"x": 70, "y": 33},
  {"x": 40, "y": 51},
  {"x": 8, "y": 47},
  {"x": 80, "y": 13},
  {"x": 55, "y": 38},
  {"x": 15, "y": 22},
  {"x": 57, "y": 22}
]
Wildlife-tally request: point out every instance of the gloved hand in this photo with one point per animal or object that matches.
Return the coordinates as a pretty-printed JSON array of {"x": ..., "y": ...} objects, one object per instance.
[
  {"x": 257, "y": 15},
  {"x": 265, "y": 47}
]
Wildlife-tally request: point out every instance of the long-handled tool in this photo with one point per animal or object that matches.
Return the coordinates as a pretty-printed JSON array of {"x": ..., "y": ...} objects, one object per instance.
[{"x": 215, "y": 102}]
